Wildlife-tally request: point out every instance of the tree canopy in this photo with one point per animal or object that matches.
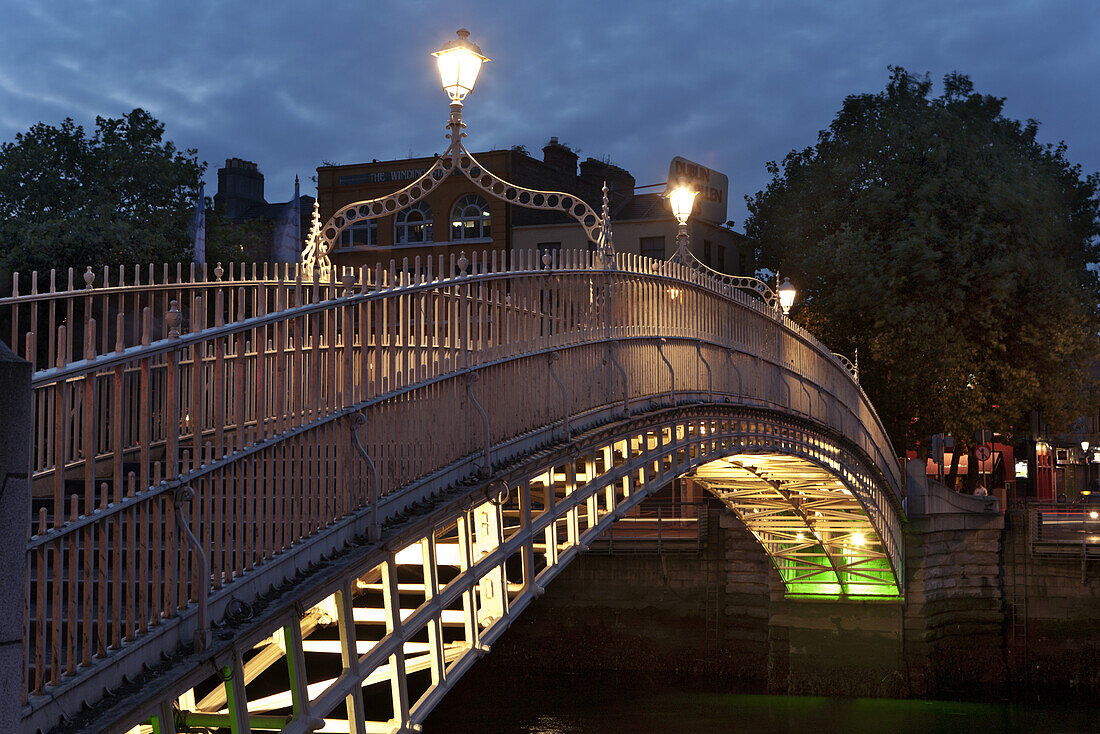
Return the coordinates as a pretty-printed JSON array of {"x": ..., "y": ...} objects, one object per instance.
[
  {"x": 122, "y": 195},
  {"x": 951, "y": 248}
]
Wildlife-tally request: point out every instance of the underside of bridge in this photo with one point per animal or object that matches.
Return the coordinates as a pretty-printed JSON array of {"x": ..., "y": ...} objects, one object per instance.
[{"x": 812, "y": 527}]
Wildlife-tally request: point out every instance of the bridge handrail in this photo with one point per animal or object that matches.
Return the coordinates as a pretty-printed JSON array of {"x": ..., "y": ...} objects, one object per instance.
[
  {"x": 30, "y": 315},
  {"x": 362, "y": 352},
  {"x": 397, "y": 285}
]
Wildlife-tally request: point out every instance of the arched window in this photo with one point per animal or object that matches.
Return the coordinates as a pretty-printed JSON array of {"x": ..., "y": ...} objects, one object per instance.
[
  {"x": 470, "y": 218},
  {"x": 363, "y": 233},
  {"x": 414, "y": 225}
]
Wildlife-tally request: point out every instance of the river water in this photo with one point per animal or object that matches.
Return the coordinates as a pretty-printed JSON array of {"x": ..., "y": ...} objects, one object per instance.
[{"x": 571, "y": 705}]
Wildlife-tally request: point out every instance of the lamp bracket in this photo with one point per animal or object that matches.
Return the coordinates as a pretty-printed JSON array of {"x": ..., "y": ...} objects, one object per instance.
[
  {"x": 498, "y": 188},
  {"x": 322, "y": 240},
  {"x": 722, "y": 281}
]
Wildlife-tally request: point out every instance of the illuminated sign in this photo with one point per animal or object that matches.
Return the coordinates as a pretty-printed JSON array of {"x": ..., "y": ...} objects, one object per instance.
[{"x": 713, "y": 188}]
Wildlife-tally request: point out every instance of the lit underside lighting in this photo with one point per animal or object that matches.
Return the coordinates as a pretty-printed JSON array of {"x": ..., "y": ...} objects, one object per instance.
[{"x": 836, "y": 551}]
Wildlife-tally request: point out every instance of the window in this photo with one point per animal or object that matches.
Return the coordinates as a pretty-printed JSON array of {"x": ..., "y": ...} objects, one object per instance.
[
  {"x": 653, "y": 247},
  {"x": 708, "y": 253},
  {"x": 551, "y": 247},
  {"x": 362, "y": 233},
  {"x": 413, "y": 225},
  {"x": 721, "y": 258},
  {"x": 470, "y": 218}
]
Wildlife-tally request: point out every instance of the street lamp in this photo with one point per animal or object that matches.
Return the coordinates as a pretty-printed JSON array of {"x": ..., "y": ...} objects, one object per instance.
[
  {"x": 459, "y": 60},
  {"x": 787, "y": 294},
  {"x": 682, "y": 200}
]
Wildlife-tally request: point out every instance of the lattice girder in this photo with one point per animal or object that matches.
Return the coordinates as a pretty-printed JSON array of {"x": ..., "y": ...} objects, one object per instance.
[{"x": 813, "y": 528}]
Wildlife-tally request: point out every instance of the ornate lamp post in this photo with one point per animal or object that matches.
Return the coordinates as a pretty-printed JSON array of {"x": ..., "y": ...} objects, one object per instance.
[
  {"x": 682, "y": 201},
  {"x": 787, "y": 295},
  {"x": 459, "y": 62}
]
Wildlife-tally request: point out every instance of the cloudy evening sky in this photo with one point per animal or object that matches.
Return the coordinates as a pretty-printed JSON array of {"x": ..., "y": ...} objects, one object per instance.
[{"x": 729, "y": 84}]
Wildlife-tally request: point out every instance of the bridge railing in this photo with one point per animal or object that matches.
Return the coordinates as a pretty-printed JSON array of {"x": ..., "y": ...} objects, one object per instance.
[
  {"x": 37, "y": 305},
  {"x": 170, "y": 472}
]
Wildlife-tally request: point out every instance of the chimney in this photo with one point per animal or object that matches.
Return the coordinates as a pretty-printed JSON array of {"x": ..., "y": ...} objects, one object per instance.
[
  {"x": 619, "y": 181},
  {"x": 240, "y": 187},
  {"x": 560, "y": 157}
]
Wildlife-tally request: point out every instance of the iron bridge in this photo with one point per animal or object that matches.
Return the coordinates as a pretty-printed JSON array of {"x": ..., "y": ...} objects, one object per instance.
[{"x": 276, "y": 501}]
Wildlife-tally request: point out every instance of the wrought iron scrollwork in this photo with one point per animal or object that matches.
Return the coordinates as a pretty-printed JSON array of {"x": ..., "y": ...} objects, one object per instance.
[
  {"x": 722, "y": 281},
  {"x": 362, "y": 211},
  {"x": 496, "y": 186},
  {"x": 322, "y": 240},
  {"x": 852, "y": 367}
]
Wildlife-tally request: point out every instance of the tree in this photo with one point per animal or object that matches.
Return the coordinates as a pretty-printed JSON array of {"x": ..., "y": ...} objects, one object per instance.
[
  {"x": 123, "y": 195},
  {"x": 950, "y": 247},
  {"x": 239, "y": 241}
]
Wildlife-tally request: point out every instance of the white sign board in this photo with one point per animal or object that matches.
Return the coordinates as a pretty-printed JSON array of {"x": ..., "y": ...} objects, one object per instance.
[{"x": 713, "y": 188}]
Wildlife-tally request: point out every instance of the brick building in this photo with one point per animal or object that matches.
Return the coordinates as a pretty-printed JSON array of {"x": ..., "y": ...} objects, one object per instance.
[{"x": 457, "y": 216}]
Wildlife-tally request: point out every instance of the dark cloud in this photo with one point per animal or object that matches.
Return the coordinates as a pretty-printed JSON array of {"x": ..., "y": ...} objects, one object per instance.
[{"x": 732, "y": 85}]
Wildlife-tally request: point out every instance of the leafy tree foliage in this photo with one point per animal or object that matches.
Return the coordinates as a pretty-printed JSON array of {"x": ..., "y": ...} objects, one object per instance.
[
  {"x": 120, "y": 196},
  {"x": 948, "y": 246},
  {"x": 239, "y": 241}
]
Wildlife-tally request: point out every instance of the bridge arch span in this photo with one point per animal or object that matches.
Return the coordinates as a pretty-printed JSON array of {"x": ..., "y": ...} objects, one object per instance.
[
  {"x": 383, "y": 632},
  {"x": 235, "y": 455}
]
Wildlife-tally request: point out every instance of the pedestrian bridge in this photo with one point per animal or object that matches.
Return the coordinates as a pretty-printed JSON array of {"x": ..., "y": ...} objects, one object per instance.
[{"x": 281, "y": 501}]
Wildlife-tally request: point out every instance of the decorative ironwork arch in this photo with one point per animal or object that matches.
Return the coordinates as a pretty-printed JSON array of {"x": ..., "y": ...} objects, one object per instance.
[
  {"x": 323, "y": 239},
  {"x": 722, "y": 281}
]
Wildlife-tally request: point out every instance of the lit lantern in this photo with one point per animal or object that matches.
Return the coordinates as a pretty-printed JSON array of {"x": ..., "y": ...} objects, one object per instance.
[
  {"x": 682, "y": 201},
  {"x": 459, "y": 62},
  {"x": 787, "y": 293}
]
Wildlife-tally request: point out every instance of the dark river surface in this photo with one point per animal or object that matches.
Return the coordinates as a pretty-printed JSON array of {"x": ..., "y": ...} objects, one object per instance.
[{"x": 568, "y": 705}]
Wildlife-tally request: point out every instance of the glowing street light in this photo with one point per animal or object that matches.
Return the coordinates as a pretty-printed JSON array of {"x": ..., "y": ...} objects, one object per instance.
[
  {"x": 787, "y": 293},
  {"x": 459, "y": 62},
  {"x": 682, "y": 201}
]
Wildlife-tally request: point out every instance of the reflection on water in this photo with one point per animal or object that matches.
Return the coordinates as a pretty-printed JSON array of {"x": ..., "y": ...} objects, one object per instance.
[{"x": 566, "y": 705}]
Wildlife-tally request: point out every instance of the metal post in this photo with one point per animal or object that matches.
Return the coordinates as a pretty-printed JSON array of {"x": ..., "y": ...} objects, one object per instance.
[
  {"x": 659, "y": 546},
  {"x": 16, "y": 430},
  {"x": 682, "y": 243},
  {"x": 296, "y": 670},
  {"x": 233, "y": 678},
  {"x": 349, "y": 655}
]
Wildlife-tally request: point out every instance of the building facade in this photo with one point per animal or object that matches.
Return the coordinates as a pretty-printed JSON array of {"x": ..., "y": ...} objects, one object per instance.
[
  {"x": 240, "y": 198},
  {"x": 458, "y": 217}
]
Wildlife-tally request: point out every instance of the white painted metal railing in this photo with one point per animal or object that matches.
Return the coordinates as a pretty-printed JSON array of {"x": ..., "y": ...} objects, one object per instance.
[{"x": 447, "y": 363}]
